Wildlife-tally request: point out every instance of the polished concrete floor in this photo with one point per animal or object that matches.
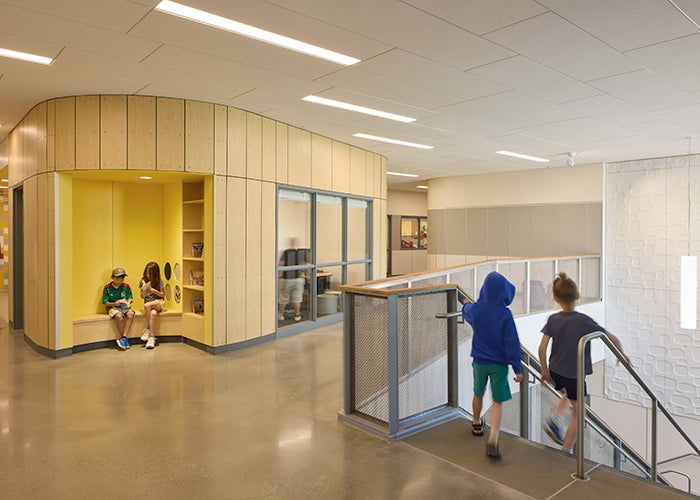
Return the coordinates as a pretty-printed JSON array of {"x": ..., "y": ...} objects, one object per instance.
[{"x": 175, "y": 422}]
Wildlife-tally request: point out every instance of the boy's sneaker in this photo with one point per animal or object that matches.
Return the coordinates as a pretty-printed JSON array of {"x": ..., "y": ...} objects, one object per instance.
[
  {"x": 151, "y": 342},
  {"x": 297, "y": 318},
  {"x": 492, "y": 451},
  {"x": 123, "y": 343},
  {"x": 146, "y": 333},
  {"x": 280, "y": 317},
  {"x": 478, "y": 428},
  {"x": 553, "y": 431}
]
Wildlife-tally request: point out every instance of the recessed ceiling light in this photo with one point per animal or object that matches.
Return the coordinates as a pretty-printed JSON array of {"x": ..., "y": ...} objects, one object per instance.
[
  {"x": 145, "y": 177},
  {"x": 422, "y": 187},
  {"x": 401, "y": 174},
  {"x": 3, "y": 180},
  {"x": 522, "y": 156},
  {"x": 392, "y": 141},
  {"x": 358, "y": 109},
  {"x": 4, "y": 187},
  {"x": 25, "y": 56},
  {"x": 232, "y": 26}
]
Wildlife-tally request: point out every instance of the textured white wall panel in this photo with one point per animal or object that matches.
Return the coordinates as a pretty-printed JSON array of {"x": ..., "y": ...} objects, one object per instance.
[{"x": 646, "y": 233}]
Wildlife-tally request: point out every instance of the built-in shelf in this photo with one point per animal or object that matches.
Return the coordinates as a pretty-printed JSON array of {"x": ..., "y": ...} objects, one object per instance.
[{"x": 193, "y": 244}]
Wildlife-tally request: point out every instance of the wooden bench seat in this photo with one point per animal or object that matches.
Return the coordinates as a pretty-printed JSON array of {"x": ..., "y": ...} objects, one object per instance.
[{"x": 90, "y": 328}]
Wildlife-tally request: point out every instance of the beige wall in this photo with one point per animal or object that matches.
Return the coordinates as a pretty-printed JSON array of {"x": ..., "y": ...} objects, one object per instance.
[
  {"x": 407, "y": 203},
  {"x": 579, "y": 184},
  {"x": 248, "y": 156}
]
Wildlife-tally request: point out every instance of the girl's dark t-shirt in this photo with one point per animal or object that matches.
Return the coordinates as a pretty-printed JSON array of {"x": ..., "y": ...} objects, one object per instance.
[{"x": 566, "y": 329}]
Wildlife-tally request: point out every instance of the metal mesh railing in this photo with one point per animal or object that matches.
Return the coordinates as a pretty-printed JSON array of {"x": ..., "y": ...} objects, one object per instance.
[
  {"x": 422, "y": 343},
  {"x": 371, "y": 356}
]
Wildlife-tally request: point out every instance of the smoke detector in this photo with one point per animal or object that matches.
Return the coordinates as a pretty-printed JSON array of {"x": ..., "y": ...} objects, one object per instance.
[{"x": 571, "y": 160}]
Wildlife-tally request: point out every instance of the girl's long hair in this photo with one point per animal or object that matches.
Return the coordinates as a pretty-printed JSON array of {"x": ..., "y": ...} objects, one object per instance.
[
  {"x": 565, "y": 289},
  {"x": 152, "y": 273}
]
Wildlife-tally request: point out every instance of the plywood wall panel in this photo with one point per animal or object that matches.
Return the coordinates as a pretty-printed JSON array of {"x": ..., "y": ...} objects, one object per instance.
[
  {"x": 237, "y": 124},
  {"x": 282, "y": 154},
  {"x": 253, "y": 239},
  {"x": 383, "y": 178},
  {"x": 299, "y": 159},
  {"x": 236, "y": 286},
  {"x": 51, "y": 261},
  {"x": 28, "y": 127},
  {"x": 41, "y": 137},
  {"x": 41, "y": 306},
  {"x": 87, "y": 132},
  {"x": 269, "y": 259},
  {"x": 65, "y": 133},
  {"x": 199, "y": 137},
  {"x": 170, "y": 134},
  {"x": 358, "y": 171},
  {"x": 321, "y": 163},
  {"x": 269, "y": 144},
  {"x": 220, "y": 139},
  {"x": 113, "y": 132},
  {"x": 51, "y": 134},
  {"x": 219, "y": 263},
  {"x": 377, "y": 190},
  {"x": 253, "y": 146},
  {"x": 141, "y": 121},
  {"x": 341, "y": 167},
  {"x": 369, "y": 176}
]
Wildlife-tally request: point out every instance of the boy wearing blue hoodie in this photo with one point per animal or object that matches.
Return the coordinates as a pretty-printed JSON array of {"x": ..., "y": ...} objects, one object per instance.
[{"x": 495, "y": 345}]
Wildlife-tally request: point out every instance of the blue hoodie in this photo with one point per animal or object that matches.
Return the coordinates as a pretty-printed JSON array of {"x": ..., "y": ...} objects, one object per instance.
[{"x": 495, "y": 339}]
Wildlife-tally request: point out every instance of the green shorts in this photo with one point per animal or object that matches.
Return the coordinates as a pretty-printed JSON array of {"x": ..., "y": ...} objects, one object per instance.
[{"x": 500, "y": 390}]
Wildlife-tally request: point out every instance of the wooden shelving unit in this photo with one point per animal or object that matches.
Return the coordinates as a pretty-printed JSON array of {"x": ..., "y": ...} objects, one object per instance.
[{"x": 193, "y": 276}]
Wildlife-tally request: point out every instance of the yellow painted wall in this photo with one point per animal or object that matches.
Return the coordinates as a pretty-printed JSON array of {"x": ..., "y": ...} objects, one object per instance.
[{"x": 114, "y": 224}]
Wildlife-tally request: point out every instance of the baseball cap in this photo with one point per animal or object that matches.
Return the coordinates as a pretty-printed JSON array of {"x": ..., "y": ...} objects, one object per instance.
[{"x": 118, "y": 271}]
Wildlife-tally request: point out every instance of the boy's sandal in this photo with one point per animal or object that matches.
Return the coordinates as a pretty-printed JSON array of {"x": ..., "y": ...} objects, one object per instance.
[{"x": 478, "y": 428}]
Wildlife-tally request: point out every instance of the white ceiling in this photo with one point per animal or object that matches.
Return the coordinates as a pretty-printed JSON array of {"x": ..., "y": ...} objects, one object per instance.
[{"x": 608, "y": 79}]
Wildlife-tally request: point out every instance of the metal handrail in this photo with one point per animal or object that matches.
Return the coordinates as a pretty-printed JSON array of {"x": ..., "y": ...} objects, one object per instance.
[
  {"x": 680, "y": 474},
  {"x": 655, "y": 405},
  {"x": 604, "y": 430}
]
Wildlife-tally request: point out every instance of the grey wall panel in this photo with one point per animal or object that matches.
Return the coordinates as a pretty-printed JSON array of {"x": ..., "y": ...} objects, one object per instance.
[
  {"x": 517, "y": 231},
  {"x": 594, "y": 236},
  {"x": 455, "y": 231},
  {"x": 499, "y": 231},
  {"x": 546, "y": 230},
  {"x": 477, "y": 238},
  {"x": 436, "y": 231},
  {"x": 573, "y": 229},
  {"x": 521, "y": 231}
]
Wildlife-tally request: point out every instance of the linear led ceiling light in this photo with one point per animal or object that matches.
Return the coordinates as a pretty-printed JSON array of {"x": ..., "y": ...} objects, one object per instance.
[
  {"x": 359, "y": 109},
  {"x": 232, "y": 26},
  {"x": 24, "y": 56},
  {"x": 422, "y": 187},
  {"x": 400, "y": 174},
  {"x": 392, "y": 141},
  {"x": 524, "y": 157}
]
